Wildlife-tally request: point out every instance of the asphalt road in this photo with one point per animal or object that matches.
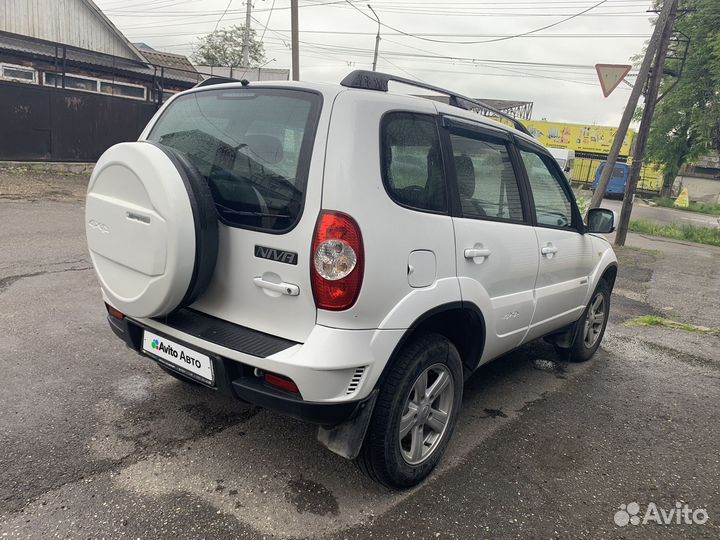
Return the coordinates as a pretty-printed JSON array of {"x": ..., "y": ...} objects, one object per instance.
[
  {"x": 99, "y": 442},
  {"x": 664, "y": 215}
]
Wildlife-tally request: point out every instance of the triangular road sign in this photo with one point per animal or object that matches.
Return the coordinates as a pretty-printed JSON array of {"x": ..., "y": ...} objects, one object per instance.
[{"x": 611, "y": 75}]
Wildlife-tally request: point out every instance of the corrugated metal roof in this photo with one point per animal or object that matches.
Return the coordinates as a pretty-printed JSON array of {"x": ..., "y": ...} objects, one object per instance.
[{"x": 177, "y": 65}]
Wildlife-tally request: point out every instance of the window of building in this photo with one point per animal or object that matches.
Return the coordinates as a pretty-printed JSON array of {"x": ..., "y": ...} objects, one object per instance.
[
  {"x": 91, "y": 84},
  {"x": 72, "y": 82},
  {"x": 123, "y": 90},
  {"x": 18, "y": 73}
]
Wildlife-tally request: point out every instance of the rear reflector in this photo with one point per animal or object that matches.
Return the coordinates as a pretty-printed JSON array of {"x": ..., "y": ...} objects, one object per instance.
[
  {"x": 114, "y": 312},
  {"x": 282, "y": 383}
]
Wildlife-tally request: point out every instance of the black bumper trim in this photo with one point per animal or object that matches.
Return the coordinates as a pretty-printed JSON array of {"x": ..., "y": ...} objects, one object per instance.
[
  {"x": 226, "y": 334},
  {"x": 238, "y": 380},
  {"x": 326, "y": 414}
]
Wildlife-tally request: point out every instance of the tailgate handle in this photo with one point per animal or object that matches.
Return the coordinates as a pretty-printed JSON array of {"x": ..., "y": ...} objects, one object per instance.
[
  {"x": 283, "y": 288},
  {"x": 472, "y": 253}
]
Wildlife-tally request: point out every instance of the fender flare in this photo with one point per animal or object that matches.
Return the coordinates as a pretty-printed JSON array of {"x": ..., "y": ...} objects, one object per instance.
[{"x": 443, "y": 308}]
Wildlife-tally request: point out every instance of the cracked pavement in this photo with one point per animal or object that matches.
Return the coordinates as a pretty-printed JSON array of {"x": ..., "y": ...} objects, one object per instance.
[{"x": 99, "y": 442}]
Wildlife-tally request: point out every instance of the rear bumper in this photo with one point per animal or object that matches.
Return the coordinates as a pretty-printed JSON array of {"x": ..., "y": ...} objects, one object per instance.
[{"x": 238, "y": 380}]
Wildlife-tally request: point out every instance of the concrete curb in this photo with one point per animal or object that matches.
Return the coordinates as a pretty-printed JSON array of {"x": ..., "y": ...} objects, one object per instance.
[{"x": 47, "y": 167}]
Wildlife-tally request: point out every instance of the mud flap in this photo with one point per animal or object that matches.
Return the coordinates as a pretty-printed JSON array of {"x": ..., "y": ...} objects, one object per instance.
[
  {"x": 347, "y": 438},
  {"x": 564, "y": 341}
]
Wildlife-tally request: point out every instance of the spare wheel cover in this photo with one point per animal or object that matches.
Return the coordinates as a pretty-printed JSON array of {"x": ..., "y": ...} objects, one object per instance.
[{"x": 151, "y": 228}]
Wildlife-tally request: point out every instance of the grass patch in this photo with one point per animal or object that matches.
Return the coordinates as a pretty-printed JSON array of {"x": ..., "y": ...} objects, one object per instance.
[
  {"x": 654, "y": 320},
  {"x": 701, "y": 208},
  {"x": 691, "y": 233}
]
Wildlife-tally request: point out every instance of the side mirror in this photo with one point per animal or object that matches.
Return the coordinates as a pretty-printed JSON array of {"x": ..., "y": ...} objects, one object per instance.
[{"x": 600, "y": 220}]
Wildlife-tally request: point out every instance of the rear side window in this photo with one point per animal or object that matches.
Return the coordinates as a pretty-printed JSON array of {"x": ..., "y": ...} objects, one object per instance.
[
  {"x": 411, "y": 161},
  {"x": 252, "y": 146}
]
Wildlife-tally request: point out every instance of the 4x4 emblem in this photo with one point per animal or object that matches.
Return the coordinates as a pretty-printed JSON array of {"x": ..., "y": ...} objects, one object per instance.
[
  {"x": 272, "y": 254},
  {"x": 99, "y": 226}
]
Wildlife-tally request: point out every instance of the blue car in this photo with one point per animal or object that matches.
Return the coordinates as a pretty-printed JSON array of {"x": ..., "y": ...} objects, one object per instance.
[{"x": 618, "y": 180}]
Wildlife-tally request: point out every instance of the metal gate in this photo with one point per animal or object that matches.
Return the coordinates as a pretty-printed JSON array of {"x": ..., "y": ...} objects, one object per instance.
[{"x": 51, "y": 124}]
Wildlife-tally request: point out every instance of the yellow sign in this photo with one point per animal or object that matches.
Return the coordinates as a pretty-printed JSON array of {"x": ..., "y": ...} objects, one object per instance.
[
  {"x": 683, "y": 199},
  {"x": 578, "y": 137}
]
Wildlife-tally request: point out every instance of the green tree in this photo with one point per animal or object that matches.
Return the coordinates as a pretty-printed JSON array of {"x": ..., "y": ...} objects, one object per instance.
[
  {"x": 225, "y": 48},
  {"x": 686, "y": 124}
]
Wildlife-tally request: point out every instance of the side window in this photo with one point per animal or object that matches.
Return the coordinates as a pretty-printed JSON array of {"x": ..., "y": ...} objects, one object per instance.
[
  {"x": 485, "y": 178},
  {"x": 552, "y": 204},
  {"x": 411, "y": 161}
]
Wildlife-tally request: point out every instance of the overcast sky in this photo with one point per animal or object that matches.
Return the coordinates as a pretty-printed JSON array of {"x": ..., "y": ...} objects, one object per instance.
[{"x": 337, "y": 38}]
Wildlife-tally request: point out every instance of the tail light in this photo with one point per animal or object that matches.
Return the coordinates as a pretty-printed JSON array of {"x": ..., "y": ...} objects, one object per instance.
[{"x": 337, "y": 261}]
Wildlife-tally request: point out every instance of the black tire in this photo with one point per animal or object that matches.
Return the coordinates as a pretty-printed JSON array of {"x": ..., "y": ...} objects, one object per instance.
[
  {"x": 381, "y": 456},
  {"x": 581, "y": 350}
]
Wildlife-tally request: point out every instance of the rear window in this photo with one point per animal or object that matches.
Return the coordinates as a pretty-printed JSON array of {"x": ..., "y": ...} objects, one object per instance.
[{"x": 252, "y": 146}]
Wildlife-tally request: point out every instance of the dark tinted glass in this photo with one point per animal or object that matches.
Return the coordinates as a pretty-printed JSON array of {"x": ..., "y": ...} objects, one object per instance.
[
  {"x": 251, "y": 145},
  {"x": 411, "y": 161},
  {"x": 485, "y": 178}
]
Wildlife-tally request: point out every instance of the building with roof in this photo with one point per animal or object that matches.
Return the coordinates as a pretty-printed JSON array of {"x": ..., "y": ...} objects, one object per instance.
[{"x": 77, "y": 83}]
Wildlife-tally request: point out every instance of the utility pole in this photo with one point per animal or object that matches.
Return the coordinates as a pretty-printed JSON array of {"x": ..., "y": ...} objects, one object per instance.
[
  {"x": 377, "y": 39},
  {"x": 246, "y": 37},
  {"x": 650, "y": 101},
  {"x": 632, "y": 103},
  {"x": 295, "y": 40}
]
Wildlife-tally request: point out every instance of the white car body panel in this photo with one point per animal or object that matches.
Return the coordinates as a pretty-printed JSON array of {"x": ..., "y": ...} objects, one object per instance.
[
  {"x": 500, "y": 284},
  {"x": 388, "y": 242},
  {"x": 562, "y": 281}
]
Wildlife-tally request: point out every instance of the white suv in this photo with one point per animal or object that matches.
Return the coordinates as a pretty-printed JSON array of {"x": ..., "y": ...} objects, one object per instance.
[{"x": 344, "y": 255}]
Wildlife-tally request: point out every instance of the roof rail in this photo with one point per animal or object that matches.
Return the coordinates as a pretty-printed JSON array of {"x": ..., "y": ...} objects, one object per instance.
[
  {"x": 220, "y": 80},
  {"x": 372, "y": 80}
]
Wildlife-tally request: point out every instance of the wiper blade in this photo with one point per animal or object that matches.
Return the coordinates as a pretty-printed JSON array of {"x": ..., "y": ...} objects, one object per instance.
[{"x": 227, "y": 210}]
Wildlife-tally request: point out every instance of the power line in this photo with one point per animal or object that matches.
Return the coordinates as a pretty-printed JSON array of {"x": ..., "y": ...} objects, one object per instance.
[
  {"x": 223, "y": 15},
  {"x": 482, "y": 41},
  {"x": 268, "y": 21}
]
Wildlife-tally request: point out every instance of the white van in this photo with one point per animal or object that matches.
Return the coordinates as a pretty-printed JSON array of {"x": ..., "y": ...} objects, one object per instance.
[{"x": 565, "y": 158}]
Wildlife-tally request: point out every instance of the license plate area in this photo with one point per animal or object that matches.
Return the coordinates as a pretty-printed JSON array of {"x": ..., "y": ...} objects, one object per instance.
[{"x": 179, "y": 357}]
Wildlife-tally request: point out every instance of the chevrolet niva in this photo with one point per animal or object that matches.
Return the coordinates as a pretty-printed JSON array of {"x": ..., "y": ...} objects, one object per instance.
[{"x": 344, "y": 255}]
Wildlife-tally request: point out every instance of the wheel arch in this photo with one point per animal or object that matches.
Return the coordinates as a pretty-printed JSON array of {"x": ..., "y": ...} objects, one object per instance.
[
  {"x": 609, "y": 275},
  {"x": 460, "y": 322}
]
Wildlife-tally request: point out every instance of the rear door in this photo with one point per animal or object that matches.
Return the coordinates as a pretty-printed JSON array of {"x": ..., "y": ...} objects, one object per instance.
[
  {"x": 565, "y": 252},
  {"x": 497, "y": 256},
  {"x": 261, "y": 152}
]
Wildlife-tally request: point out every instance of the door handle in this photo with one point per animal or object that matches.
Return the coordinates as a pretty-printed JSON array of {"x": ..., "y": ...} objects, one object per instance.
[
  {"x": 549, "y": 250},
  {"x": 283, "y": 288},
  {"x": 477, "y": 253}
]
